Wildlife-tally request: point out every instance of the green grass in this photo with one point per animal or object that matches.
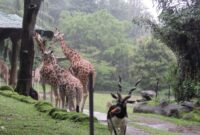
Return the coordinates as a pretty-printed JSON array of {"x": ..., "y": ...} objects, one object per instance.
[
  {"x": 101, "y": 99},
  {"x": 19, "y": 118}
]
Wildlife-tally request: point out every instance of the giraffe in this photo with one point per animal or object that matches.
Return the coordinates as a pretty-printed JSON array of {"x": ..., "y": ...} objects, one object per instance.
[
  {"x": 69, "y": 86},
  {"x": 37, "y": 78},
  {"x": 4, "y": 71},
  {"x": 80, "y": 67}
]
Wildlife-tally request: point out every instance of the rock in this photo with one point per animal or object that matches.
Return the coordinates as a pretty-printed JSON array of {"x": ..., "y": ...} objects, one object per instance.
[
  {"x": 144, "y": 108},
  {"x": 188, "y": 105},
  {"x": 163, "y": 104},
  {"x": 147, "y": 94},
  {"x": 164, "y": 108},
  {"x": 171, "y": 110}
]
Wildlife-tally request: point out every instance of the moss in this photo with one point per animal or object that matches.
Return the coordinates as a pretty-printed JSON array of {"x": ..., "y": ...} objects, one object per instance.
[
  {"x": 16, "y": 96},
  {"x": 73, "y": 116},
  {"x": 43, "y": 106},
  {"x": 6, "y": 93},
  {"x": 2, "y": 88}
]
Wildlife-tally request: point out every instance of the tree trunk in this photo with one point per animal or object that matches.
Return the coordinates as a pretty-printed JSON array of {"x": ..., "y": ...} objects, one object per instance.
[
  {"x": 14, "y": 61},
  {"x": 24, "y": 84},
  {"x": 189, "y": 72}
]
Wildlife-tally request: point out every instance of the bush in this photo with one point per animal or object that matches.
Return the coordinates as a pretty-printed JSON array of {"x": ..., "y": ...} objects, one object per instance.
[
  {"x": 73, "y": 116},
  {"x": 43, "y": 106},
  {"x": 194, "y": 116},
  {"x": 2, "y": 88}
]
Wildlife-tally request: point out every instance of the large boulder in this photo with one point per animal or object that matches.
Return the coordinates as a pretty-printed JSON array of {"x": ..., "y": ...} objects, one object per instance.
[
  {"x": 164, "y": 108},
  {"x": 171, "y": 110},
  {"x": 143, "y": 108},
  {"x": 188, "y": 105},
  {"x": 147, "y": 94}
]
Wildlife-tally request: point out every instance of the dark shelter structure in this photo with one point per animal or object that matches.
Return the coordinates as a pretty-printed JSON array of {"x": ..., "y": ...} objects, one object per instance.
[{"x": 11, "y": 27}]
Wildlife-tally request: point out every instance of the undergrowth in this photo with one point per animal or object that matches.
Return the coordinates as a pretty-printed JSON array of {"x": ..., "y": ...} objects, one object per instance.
[{"x": 46, "y": 107}]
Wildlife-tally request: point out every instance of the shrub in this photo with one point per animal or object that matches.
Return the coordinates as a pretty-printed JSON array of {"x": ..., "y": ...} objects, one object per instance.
[
  {"x": 43, "y": 106},
  {"x": 2, "y": 88}
]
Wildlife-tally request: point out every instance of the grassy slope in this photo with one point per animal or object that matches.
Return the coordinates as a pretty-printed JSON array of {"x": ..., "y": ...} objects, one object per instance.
[{"x": 18, "y": 118}]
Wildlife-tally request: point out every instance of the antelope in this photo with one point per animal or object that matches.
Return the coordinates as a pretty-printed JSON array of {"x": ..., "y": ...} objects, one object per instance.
[{"x": 117, "y": 114}]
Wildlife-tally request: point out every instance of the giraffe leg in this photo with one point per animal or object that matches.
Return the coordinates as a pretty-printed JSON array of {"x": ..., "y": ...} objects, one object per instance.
[
  {"x": 62, "y": 95},
  {"x": 44, "y": 90},
  {"x": 79, "y": 94},
  {"x": 71, "y": 105},
  {"x": 57, "y": 98},
  {"x": 85, "y": 95},
  {"x": 66, "y": 101}
]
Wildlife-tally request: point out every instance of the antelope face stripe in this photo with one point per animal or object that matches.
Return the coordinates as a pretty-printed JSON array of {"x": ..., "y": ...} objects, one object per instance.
[{"x": 116, "y": 110}]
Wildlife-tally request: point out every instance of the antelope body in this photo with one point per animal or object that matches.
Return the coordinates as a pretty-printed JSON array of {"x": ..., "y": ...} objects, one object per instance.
[{"x": 117, "y": 115}]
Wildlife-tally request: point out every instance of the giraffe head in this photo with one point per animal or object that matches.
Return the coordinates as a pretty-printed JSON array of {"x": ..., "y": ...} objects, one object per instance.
[
  {"x": 41, "y": 42},
  {"x": 49, "y": 58},
  {"x": 57, "y": 36}
]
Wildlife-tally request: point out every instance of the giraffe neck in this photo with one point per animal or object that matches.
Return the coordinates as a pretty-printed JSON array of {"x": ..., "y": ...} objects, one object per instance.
[{"x": 70, "y": 53}]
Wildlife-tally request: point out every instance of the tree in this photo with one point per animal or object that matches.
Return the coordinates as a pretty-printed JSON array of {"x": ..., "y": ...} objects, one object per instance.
[
  {"x": 24, "y": 84},
  {"x": 179, "y": 30},
  {"x": 151, "y": 61}
]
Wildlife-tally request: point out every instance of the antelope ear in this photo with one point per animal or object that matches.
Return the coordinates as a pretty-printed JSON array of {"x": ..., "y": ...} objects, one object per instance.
[
  {"x": 113, "y": 95},
  {"x": 126, "y": 98}
]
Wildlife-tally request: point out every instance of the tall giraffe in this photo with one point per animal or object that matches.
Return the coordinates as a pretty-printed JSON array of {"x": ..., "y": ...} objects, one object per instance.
[
  {"x": 4, "y": 71},
  {"x": 69, "y": 86},
  {"x": 37, "y": 78},
  {"x": 79, "y": 67}
]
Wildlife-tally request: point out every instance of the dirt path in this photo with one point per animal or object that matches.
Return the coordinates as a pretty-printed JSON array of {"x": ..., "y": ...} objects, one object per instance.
[
  {"x": 154, "y": 123},
  {"x": 130, "y": 130},
  {"x": 167, "y": 126}
]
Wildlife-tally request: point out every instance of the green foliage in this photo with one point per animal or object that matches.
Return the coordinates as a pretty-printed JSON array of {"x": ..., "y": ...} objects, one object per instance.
[
  {"x": 2, "y": 88},
  {"x": 16, "y": 96},
  {"x": 103, "y": 33},
  {"x": 72, "y": 116},
  {"x": 190, "y": 89},
  {"x": 193, "y": 116},
  {"x": 152, "y": 61},
  {"x": 43, "y": 106},
  {"x": 176, "y": 30}
]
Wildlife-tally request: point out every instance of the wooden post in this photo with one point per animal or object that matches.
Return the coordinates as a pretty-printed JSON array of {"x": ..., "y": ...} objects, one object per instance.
[
  {"x": 91, "y": 105},
  {"x": 24, "y": 83},
  {"x": 169, "y": 93},
  {"x": 157, "y": 87},
  {"x": 14, "y": 60}
]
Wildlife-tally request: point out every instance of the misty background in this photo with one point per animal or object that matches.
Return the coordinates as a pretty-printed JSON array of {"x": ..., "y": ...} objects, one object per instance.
[{"x": 103, "y": 32}]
